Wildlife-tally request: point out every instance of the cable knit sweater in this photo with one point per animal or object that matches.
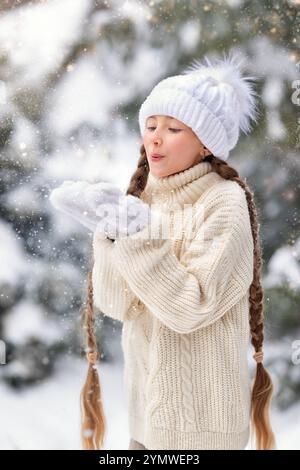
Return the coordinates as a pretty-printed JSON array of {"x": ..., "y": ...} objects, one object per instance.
[{"x": 184, "y": 306}]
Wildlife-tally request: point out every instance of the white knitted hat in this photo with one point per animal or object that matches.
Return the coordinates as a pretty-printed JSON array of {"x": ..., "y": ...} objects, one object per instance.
[{"x": 213, "y": 99}]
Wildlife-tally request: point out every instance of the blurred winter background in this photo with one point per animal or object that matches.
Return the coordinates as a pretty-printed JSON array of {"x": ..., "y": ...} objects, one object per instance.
[{"x": 73, "y": 74}]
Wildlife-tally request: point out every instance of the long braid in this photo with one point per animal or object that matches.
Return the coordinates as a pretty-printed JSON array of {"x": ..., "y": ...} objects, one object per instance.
[
  {"x": 262, "y": 388},
  {"x": 139, "y": 178},
  {"x": 93, "y": 425},
  {"x": 93, "y": 421}
]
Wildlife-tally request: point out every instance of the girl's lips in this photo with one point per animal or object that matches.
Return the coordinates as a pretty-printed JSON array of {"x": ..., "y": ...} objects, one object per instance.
[{"x": 156, "y": 159}]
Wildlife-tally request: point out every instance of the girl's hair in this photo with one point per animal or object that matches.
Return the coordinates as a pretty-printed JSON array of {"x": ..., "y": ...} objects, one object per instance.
[{"x": 93, "y": 420}]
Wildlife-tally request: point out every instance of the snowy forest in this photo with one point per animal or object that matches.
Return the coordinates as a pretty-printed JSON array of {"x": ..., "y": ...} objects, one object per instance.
[{"x": 73, "y": 75}]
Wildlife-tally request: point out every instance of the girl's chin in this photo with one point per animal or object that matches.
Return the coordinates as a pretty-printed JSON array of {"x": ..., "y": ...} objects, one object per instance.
[{"x": 159, "y": 173}]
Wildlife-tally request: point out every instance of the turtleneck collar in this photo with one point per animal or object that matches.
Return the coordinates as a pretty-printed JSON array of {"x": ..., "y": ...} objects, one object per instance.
[{"x": 183, "y": 187}]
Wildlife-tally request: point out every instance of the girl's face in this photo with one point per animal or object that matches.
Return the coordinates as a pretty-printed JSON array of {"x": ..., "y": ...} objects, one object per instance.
[{"x": 174, "y": 140}]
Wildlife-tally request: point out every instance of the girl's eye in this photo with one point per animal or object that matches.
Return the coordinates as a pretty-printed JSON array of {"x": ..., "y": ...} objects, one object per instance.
[{"x": 170, "y": 128}]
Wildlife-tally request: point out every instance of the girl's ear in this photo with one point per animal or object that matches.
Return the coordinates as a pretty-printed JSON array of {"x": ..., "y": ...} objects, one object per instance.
[{"x": 206, "y": 152}]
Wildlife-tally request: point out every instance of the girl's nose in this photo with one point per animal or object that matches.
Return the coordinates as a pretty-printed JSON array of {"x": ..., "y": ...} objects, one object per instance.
[{"x": 156, "y": 139}]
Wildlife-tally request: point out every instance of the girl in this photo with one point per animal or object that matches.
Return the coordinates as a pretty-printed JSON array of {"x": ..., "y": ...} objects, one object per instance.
[{"x": 181, "y": 271}]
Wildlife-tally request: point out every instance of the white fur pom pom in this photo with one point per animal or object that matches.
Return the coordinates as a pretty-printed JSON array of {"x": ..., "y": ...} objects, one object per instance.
[{"x": 229, "y": 70}]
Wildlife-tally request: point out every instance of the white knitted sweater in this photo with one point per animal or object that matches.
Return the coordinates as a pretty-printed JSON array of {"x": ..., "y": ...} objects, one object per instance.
[{"x": 185, "y": 312}]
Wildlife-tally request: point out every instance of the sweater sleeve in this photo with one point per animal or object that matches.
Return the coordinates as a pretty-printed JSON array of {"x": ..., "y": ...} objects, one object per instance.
[
  {"x": 112, "y": 294},
  {"x": 214, "y": 273}
]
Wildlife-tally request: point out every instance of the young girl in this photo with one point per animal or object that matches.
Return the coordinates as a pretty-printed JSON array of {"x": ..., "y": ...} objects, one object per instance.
[{"x": 181, "y": 271}]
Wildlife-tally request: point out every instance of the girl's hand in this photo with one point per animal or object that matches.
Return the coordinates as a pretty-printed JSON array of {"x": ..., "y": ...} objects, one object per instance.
[
  {"x": 130, "y": 215},
  {"x": 101, "y": 193}
]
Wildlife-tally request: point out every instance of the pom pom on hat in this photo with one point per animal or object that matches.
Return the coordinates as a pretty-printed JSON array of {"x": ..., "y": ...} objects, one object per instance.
[
  {"x": 213, "y": 98},
  {"x": 229, "y": 71}
]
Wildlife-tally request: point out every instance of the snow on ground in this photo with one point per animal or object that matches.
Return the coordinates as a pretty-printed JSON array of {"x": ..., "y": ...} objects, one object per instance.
[{"x": 47, "y": 416}]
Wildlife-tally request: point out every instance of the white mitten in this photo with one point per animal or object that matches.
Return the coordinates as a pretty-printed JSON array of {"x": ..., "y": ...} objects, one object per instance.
[
  {"x": 80, "y": 199},
  {"x": 129, "y": 216},
  {"x": 101, "y": 193},
  {"x": 69, "y": 198}
]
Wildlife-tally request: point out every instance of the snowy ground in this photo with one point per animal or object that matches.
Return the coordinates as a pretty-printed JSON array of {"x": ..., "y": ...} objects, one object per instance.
[{"x": 47, "y": 416}]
